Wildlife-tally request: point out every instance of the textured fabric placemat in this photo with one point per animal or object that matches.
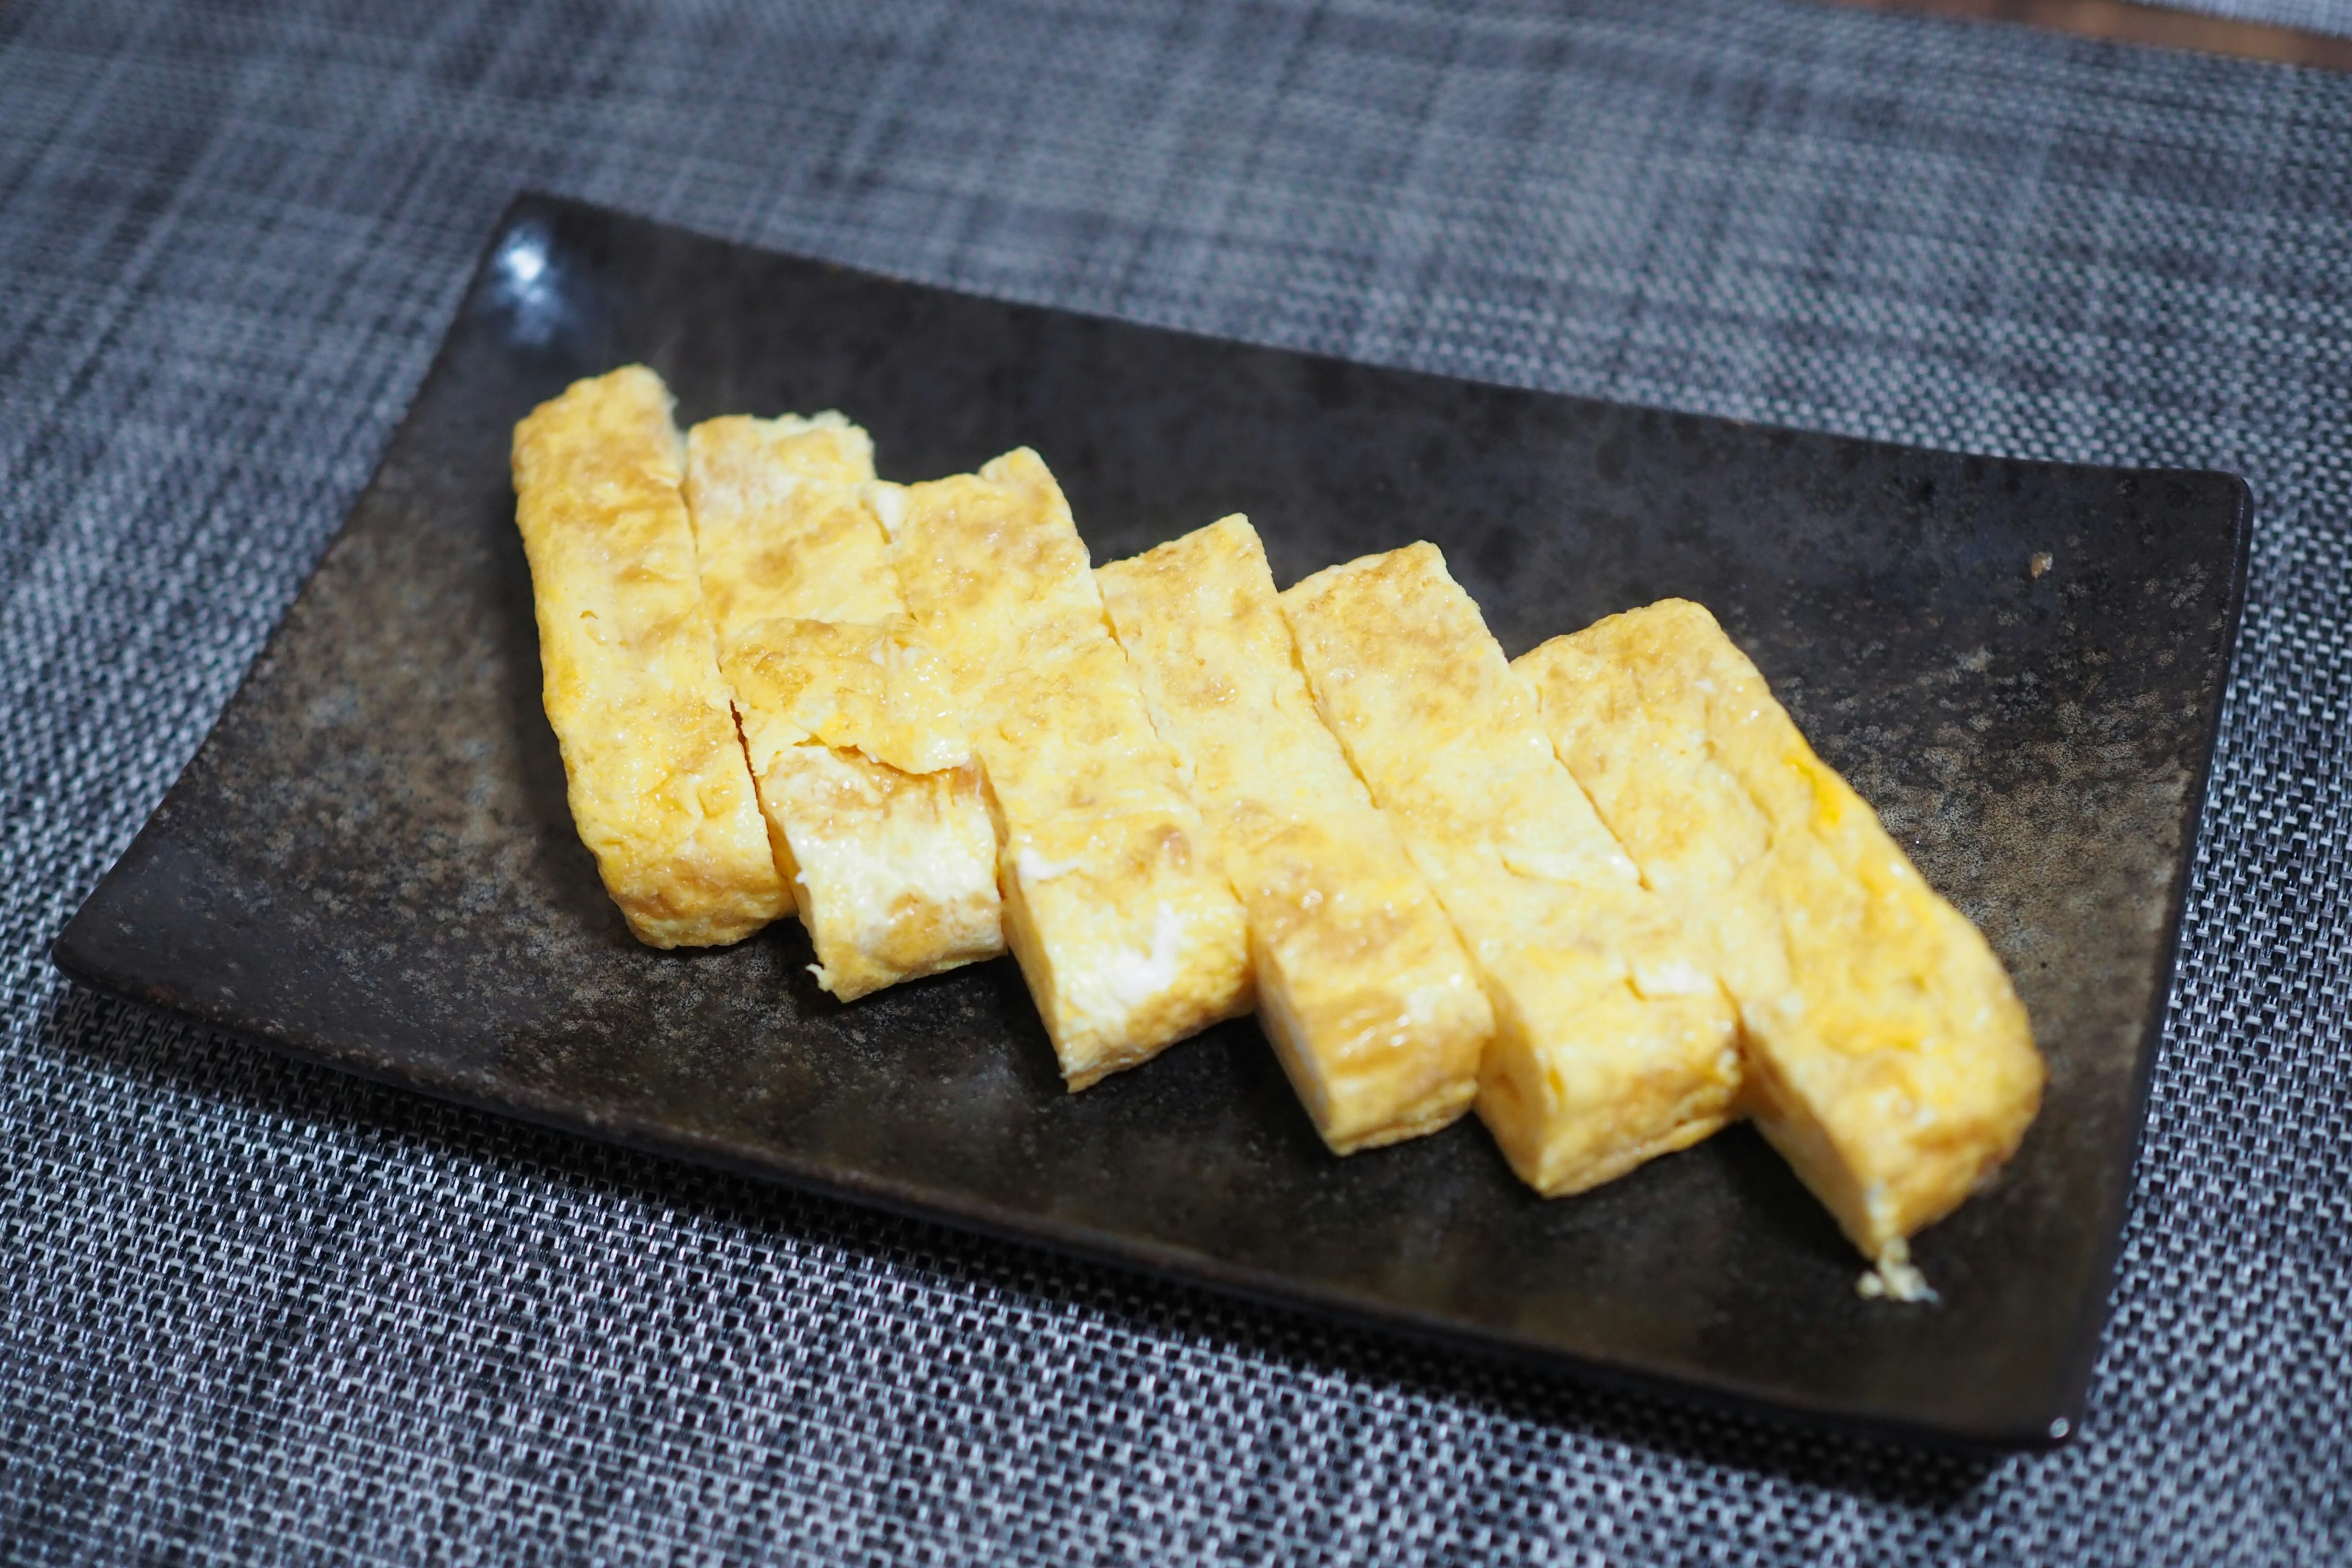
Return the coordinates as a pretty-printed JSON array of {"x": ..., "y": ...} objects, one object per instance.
[{"x": 259, "y": 1310}]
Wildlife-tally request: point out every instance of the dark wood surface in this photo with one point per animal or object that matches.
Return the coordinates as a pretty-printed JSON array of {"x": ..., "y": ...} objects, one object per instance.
[{"x": 2150, "y": 25}]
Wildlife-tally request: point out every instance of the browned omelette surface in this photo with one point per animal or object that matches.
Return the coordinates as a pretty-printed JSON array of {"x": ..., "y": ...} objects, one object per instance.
[
  {"x": 1609, "y": 893},
  {"x": 1125, "y": 928},
  {"x": 1367, "y": 995},
  {"x": 658, "y": 786},
  {"x": 1614, "y": 1043},
  {"x": 1889, "y": 1058},
  {"x": 871, "y": 793}
]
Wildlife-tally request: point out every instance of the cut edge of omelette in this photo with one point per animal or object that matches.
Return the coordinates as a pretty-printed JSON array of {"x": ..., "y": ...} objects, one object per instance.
[
  {"x": 1365, "y": 992},
  {"x": 1890, "y": 1060},
  {"x": 655, "y": 772},
  {"x": 865, "y": 777},
  {"x": 1613, "y": 1044},
  {"x": 872, "y": 797},
  {"x": 1124, "y": 926}
]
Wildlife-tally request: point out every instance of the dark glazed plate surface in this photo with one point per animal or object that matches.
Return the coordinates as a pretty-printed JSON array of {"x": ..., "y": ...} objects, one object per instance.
[{"x": 370, "y": 862}]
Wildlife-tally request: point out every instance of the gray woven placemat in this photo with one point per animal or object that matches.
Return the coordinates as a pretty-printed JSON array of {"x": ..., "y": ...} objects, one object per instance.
[{"x": 257, "y": 1311}]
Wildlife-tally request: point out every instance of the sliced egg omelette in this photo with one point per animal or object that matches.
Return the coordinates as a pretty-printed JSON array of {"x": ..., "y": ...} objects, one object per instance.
[
  {"x": 1125, "y": 928},
  {"x": 657, "y": 783},
  {"x": 1614, "y": 1043},
  {"x": 1889, "y": 1059},
  {"x": 1372, "y": 1004},
  {"x": 872, "y": 797}
]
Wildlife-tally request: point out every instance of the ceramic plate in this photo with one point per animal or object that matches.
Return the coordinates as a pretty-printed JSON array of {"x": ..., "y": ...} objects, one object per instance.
[{"x": 370, "y": 862}]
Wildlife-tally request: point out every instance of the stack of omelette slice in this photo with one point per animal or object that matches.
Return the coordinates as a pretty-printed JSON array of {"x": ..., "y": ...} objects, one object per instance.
[{"x": 1607, "y": 894}]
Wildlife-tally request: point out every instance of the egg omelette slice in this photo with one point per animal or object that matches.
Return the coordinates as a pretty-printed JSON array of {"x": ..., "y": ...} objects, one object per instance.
[
  {"x": 871, "y": 793},
  {"x": 658, "y": 783},
  {"x": 1372, "y": 1005},
  {"x": 1125, "y": 927},
  {"x": 1889, "y": 1059},
  {"x": 1614, "y": 1043}
]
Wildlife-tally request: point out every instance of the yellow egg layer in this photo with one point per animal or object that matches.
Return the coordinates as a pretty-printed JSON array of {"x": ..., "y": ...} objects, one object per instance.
[{"x": 782, "y": 523}]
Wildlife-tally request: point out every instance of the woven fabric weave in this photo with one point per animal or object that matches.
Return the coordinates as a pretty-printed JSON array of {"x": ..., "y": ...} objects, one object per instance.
[{"x": 262, "y": 1311}]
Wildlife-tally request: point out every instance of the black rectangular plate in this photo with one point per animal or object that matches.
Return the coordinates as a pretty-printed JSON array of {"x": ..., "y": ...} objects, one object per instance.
[{"x": 370, "y": 862}]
